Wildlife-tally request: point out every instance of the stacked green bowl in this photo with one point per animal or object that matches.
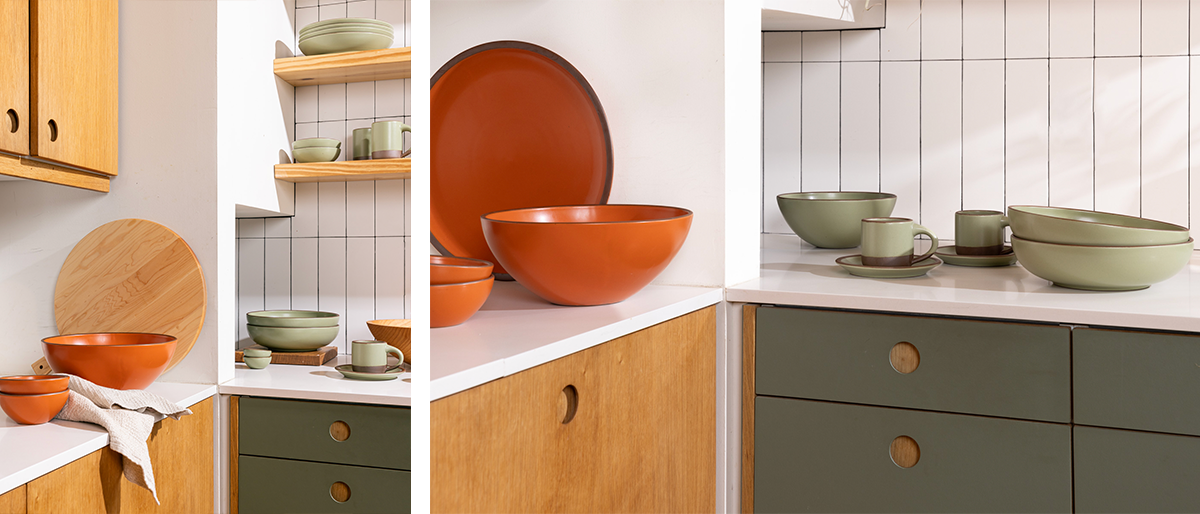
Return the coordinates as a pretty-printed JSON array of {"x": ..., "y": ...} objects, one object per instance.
[
  {"x": 316, "y": 149},
  {"x": 345, "y": 35},
  {"x": 292, "y": 331}
]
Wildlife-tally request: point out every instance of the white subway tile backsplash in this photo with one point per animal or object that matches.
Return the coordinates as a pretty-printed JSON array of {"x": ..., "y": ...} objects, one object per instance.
[
  {"x": 251, "y": 227},
  {"x": 304, "y": 224},
  {"x": 331, "y": 102},
  {"x": 781, "y": 140},
  {"x": 360, "y": 209},
  {"x": 304, "y": 18},
  {"x": 331, "y": 209},
  {"x": 335, "y": 130},
  {"x": 1118, "y": 135},
  {"x": 1071, "y": 137},
  {"x": 363, "y": 9},
  {"x": 822, "y": 46},
  {"x": 1071, "y": 28},
  {"x": 331, "y": 280},
  {"x": 1165, "y": 27},
  {"x": 859, "y": 45},
  {"x": 860, "y": 126},
  {"x": 250, "y": 275},
  {"x": 396, "y": 13},
  {"x": 982, "y": 136},
  {"x": 360, "y": 287},
  {"x": 305, "y": 3},
  {"x": 941, "y": 30},
  {"x": 407, "y": 201},
  {"x": 390, "y": 208},
  {"x": 305, "y": 269},
  {"x": 983, "y": 29},
  {"x": 277, "y": 282},
  {"x": 1026, "y": 29},
  {"x": 360, "y": 100},
  {"x": 1164, "y": 181},
  {"x": 1026, "y": 133},
  {"x": 900, "y": 135},
  {"x": 781, "y": 46},
  {"x": 1194, "y": 144},
  {"x": 391, "y": 289},
  {"x": 941, "y": 143},
  {"x": 1194, "y": 27},
  {"x": 900, "y": 39},
  {"x": 278, "y": 227},
  {"x": 306, "y": 104},
  {"x": 330, "y": 11},
  {"x": 1118, "y": 28},
  {"x": 819, "y": 126},
  {"x": 389, "y": 98},
  {"x": 306, "y": 130}
]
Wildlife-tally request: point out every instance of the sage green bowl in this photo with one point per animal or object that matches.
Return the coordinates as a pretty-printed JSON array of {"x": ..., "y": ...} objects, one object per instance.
[
  {"x": 344, "y": 42},
  {"x": 316, "y": 154},
  {"x": 1062, "y": 225},
  {"x": 316, "y": 142},
  {"x": 1102, "y": 268},
  {"x": 342, "y": 21},
  {"x": 287, "y": 339},
  {"x": 386, "y": 31},
  {"x": 833, "y": 219},
  {"x": 256, "y": 362},
  {"x": 292, "y": 319}
]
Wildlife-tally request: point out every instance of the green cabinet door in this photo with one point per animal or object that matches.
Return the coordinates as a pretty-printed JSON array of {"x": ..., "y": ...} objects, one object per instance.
[
  {"x": 1010, "y": 370},
  {"x": 1126, "y": 471},
  {"x": 268, "y": 486},
  {"x": 812, "y": 456},
  {"x": 378, "y": 436}
]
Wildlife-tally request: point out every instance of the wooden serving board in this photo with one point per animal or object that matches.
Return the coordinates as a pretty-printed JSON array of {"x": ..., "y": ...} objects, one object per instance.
[
  {"x": 132, "y": 275},
  {"x": 314, "y": 358}
]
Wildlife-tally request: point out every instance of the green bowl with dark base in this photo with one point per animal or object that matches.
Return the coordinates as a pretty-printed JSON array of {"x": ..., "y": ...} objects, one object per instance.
[
  {"x": 1102, "y": 268},
  {"x": 833, "y": 219},
  {"x": 292, "y": 319}
]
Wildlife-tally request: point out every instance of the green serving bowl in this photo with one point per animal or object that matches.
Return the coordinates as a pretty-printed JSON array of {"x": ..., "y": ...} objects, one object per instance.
[
  {"x": 316, "y": 142},
  {"x": 342, "y": 21},
  {"x": 292, "y": 319},
  {"x": 316, "y": 154},
  {"x": 833, "y": 219},
  {"x": 286, "y": 339},
  {"x": 387, "y": 31},
  {"x": 1102, "y": 268},
  {"x": 344, "y": 42},
  {"x": 1061, "y": 225}
]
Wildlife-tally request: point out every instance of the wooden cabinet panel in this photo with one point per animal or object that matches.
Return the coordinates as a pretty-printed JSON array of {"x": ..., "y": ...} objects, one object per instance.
[
  {"x": 642, "y": 436},
  {"x": 268, "y": 485},
  {"x": 1124, "y": 471},
  {"x": 14, "y": 77},
  {"x": 1000, "y": 369},
  {"x": 292, "y": 429},
  {"x": 74, "y": 83},
  {"x": 13, "y": 502},
  {"x": 826, "y": 457}
]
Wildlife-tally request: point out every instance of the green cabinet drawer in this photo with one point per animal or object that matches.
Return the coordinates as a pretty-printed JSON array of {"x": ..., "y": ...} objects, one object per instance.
[
  {"x": 296, "y": 429},
  {"x": 826, "y": 457},
  {"x": 1124, "y": 471},
  {"x": 1137, "y": 380},
  {"x": 977, "y": 367},
  {"x": 267, "y": 485}
]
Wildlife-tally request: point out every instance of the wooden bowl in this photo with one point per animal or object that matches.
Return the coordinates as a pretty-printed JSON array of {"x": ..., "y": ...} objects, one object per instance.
[
  {"x": 33, "y": 384},
  {"x": 452, "y": 304},
  {"x": 33, "y": 409},
  {"x": 456, "y": 270},
  {"x": 120, "y": 360},
  {"x": 396, "y": 332}
]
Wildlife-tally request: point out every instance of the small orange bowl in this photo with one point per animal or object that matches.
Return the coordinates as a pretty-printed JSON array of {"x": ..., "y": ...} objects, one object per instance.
[
  {"x": 33, "y": 384},
  {"x": 452, "y": 304},
  {"x": 456, "y": 270},
  {"x": 120, "y": 360},
  {"x": 33, "y": 409}
]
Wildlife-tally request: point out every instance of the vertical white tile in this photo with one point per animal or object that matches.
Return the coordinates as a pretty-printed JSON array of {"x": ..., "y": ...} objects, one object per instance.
[
  {"x": 389, "y": 98},
  {"x": 860, "y": 126},
  {"x": 360, "y": 100},
  {"x": 392, "y": 11},
  {"x": 331, "y": 280},
  {"x": 1071, "y": 28},
  {"x": 363, "y": 9},
  {"x": 407, "y": 98},
  {"x": 306, "y": 130},
  {"x": 335, "y": 130},
  {"x": 1026, "y": 28},
  {"x": 331, "y": 102},
  {"x": 330, "y": 2},
  {"x": 407, "y": 279},
  {"x": 941, "y": 144},
  {"x": 360, "y": 208},
  {"x": 900, "y": 135},
  {"x": 250, "y": 281},
  {"x": 390, "y": 255},
  {"x": 251, "y": 227},
  {"x": 1165, "y": 27},
  {"x": 900, "y": 39},
  {"x": 360, "y": 287},
  {"x": 304, "y": 224},
  {"x": 305, "y": 3},
  {"x": 390, "y": 208},
  {"x": 278, "y": 279},
  {"x": 860, "y": 45},
  {"x": 407, "y": 201},
  {"x": 306, "y": 104},
  {"x": 329, "y": 12},
  {"x": 1118, "y": 28},
  {"x": 304, "y": 18},
  {"x": 983, "y": 29},
  {"x": 822, "y": 46},
  {"x": 781, "y": 140},
  {"x": 1194, "y": 26},
  {"x": 819, "y": 127},
  {"x": 331, "y": 209},
  {"x": 1071, "y": 152},
  {"x": 941, "y": 30},
  {"x": 407, "y": 23},
  {"x": 304, "y": 273},
  {"x": 278, "y": 227},
  {"x": 1165, "y": 139},
  {"x": 983, "y": 136},
  {"x": 1027, "y": 132},
  {"x": 781, "y": 46},
  {"x": 1194, "y": 145},
  {"x": 1118, "y": 154}
]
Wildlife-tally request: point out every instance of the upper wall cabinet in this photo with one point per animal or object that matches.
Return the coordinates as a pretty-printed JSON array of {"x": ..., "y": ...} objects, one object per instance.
[
  {"x": 822, "y": 14},
  {"x": 14, "y": 77}
]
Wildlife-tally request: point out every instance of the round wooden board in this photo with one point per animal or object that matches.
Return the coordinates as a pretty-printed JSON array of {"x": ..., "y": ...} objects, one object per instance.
[{"x": 132, "y": 275}]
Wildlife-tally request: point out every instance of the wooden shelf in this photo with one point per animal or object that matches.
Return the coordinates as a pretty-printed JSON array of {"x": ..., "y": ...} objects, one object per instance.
[
  {"x": 344, "y": 171},
  {"x": 386, "y": 64},
  {"x": 24, "y": 167}
]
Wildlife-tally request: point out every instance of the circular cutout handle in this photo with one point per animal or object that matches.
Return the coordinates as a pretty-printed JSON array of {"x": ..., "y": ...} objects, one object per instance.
[
  {"x": 905, "y": 451},
  {"x": 904, "y": 357},
  {"x": 339, "y": 431},
  {"x": 568, "y": 404},
  {"x": 14, "y": 122},
  {"x": 340, "y": 492},
  {"x": 53, "y": 130}
]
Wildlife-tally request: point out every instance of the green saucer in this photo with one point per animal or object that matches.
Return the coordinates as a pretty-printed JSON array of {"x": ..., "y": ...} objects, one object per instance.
[
  {"x": 853, "y": 264},
  {"x": 347, "y": 370},
  {"x": 949, "y": 254}
]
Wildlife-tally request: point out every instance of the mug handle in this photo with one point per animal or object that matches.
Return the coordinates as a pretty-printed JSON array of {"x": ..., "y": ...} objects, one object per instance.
[
  {"x": 918, "y": 229},
  {"x": 1003, "y": 223},
  {"x": 392, "y": 350},
  {"x": 405, "y": 128}
]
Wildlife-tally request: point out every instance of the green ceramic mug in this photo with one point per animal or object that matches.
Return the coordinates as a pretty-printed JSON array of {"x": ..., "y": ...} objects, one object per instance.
[
  {"x": 371, "y": 356},
  {"x": 362, "y": 143},
  {"x": 979, "y": 232},
  {"x": 387, "y": 139},
  {"x": 889, "y": 242}
]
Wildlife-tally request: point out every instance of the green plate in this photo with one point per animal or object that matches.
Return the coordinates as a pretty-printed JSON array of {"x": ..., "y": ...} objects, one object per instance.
[
  {"x": 292, "y": 318},
  {"x": 949, "y": 254},
  {"x": 853, "y": 264},
  {"x": 342, "y": 21},
  {"x": 344, "y": 42},
  {"x": 347, "y": 370}
]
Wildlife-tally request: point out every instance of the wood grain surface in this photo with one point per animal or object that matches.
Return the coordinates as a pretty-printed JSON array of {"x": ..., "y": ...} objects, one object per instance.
[
  {"x": 642, "y": 438},
  {"x": 132, "y": 275},
  {"x": 14, "y": 77},
  {"x": 345, "y": 171},
  {"x": 749, "y": 319},
  {"x": 313, "y": 358},
  {"x": 386, "y": 64},
  {"x": 904, "y": 357},
  {"x": 396, "y": 332},
  {"x": 23, "y": 167},
  {"x": 13, "y": 502}
]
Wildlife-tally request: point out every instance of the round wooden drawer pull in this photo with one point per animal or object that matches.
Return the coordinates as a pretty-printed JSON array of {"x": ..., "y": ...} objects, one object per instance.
[
  {"x": 339, "y": 431},
  {"x": 905, "y": 451},
  {"x": 905, "y": 357},
  {"x": 340, "y": 492},
  {"x": 568, "y": 403}
]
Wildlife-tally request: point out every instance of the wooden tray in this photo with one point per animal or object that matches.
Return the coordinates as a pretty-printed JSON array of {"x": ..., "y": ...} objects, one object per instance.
[{"x": 314, "y": 358}]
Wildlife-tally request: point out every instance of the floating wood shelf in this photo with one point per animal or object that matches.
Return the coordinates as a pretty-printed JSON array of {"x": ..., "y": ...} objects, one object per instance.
[
  {"x": 386, "y": 64},
  {"x": 344, "y": 171}
]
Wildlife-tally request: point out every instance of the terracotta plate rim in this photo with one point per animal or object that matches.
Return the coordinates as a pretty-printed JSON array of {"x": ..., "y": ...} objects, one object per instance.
[{"x": 686, "y": 214}]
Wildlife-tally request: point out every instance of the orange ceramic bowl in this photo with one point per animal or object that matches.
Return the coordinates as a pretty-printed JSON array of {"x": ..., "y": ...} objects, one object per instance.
[
  {"x": 456, "y": 270},
  {"x": 586, "y": 254},
  {"x": 451, "y": 304},
  {"x": 33, "y": 384},
  {"x": 122, "y": 360},
  {"x": 33, "y": 409}
]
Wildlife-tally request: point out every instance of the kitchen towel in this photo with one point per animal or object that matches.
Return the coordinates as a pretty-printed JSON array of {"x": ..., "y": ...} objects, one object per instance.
[{"x": 129, "y": 416}]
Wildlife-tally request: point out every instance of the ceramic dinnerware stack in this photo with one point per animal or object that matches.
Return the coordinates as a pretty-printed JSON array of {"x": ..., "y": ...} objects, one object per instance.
[
  {"x": 33, "y": 399},
  {"x": 833, "y": 219},
  {"x": 458, "y": 286},
  {"x": 316, "y": 149},
  {"x": 1099, "y": 251},
  {"x": 292, "y": 330},
  {"x": 345, "y": 35}
]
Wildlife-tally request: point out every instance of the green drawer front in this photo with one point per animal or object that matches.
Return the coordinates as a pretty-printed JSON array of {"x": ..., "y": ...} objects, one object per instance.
[
  {"x": 295, "y": 429},
  {"x": 828, "y": 457},
  {"x": 1123, "y": 471},
  {"x": 1137, "y": 380},
  {"x": 268, "y": 485},
  {"x": 977, "y": 367}
]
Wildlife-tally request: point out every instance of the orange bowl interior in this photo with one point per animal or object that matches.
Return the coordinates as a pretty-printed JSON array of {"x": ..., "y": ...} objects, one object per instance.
[
  {"x": 33, "y": 409},
  {"x": 456, "y": 270},
  {"x": 452, "y": 304},
  {"x": 33, "y": 384},
  {"x": 116, "y": 360}
]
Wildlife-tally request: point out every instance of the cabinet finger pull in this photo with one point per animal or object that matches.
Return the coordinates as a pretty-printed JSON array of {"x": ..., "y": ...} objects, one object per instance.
[
  {"x": 340, "y": 492},
  {"x": 339, "y": 431},
  {"x": 13, "y": 121},
  {"x": 53, "y": 130},
  {"x": 905, "y": 451},
  {"x": 568, "y": 403},
  {"x": 904, "y": 357}
]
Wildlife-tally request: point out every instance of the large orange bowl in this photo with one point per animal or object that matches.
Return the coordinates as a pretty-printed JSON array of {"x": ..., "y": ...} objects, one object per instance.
[
  {"x": 33, "y": 384},
  {"x": 33, "y": 409},
  {"x": 586, "y": 254},
  {"x": 452, "y": 304},
  {"x": 456, "y": 270},
  {"x": 123, "y": 360}
]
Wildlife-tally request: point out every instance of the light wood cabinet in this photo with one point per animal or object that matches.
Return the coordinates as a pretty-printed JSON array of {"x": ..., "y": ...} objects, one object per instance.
[
  {"x": 626, "y": 426},
  {"x": 14, "y": 77},
  {"x": 13, "y": 502}
]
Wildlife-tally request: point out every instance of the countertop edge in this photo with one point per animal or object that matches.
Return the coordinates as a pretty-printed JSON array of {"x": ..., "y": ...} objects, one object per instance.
[{"x": 295, "y": 394}]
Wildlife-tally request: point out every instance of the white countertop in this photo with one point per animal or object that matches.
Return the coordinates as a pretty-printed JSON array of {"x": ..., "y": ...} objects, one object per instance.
[
  {"x": 795, "y": 273},
  {"x": 317, "y": 383},
  {"x": 30, "y": 451},
  {"x": 516, "y": 330}
]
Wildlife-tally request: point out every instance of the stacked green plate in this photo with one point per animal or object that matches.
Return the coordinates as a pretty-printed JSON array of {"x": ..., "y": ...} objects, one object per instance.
[
  {"x": 345, "y": 35},
  {"x": 316, "y": 149},
  {"x": 292, "y": 331}
]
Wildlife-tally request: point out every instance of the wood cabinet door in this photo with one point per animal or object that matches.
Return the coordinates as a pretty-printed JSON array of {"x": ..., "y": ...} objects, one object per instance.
[
  {"x": 13, "y": 502},
  {"x": 14, "y": 77},
  {"x": 74, "y": 83},
  {"x": 626, "y": 426}
]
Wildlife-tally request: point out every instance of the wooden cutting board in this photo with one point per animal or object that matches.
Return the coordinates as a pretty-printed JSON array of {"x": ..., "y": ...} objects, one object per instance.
[
  {"x": 313, "y": 358},
  {"x": 132, "y": 275}
]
